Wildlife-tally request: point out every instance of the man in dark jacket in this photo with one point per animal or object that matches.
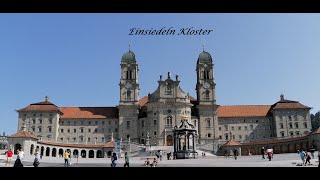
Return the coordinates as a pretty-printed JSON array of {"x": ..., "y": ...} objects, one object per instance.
[{"x": 262, "y": 152}]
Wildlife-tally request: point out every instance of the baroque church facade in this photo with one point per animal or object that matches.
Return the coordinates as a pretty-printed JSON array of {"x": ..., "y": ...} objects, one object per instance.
[{"x": 154, "y": 116}]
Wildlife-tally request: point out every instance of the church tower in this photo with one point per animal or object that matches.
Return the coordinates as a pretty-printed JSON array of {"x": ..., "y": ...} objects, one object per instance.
[
  {"x": 129, "y": 97},
  {"x": 206, "y": 99}
]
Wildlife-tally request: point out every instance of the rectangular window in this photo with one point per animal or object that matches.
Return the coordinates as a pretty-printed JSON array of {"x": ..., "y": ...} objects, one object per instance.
[
  {"x": 96, "y": 122},
  {"x": 233, "y": 136},
  {"x": 155, "y": 122},
  {"x": 239, "y": 128},
  {"x": 50, "y": 121},
  {"x": 219, "y": 128},
  {"x": 96, "y": 130},
  {"x": 102, "y": 139},
  {"x": 62, "y": 123},
  {"x": 75, "y": 130},
  {"x": 81, "y": 130},
  {"x": 88, "y": 139},
  {"x": 69, "y": 123},
  {"x": 128, "y": 124},
  {"x": 40, "y": 121},
  {"x": 89, "y": 122},
  {"x": 240, "y": 137},
  {"x": 220, "y": 137},
  {"x": 155, "y": 133},
  {"x": 81, "y": 139},
  {"x": 74, "y": 139},
  {"x": 74, "y": 123},
  {"x": 82, "y": 122},
  {"x": 61, "y": 130},
  {"x": 102, "y": 122},
  {"x": 245, "y": 128},
  {"x": 33, "y": 129},
  {"x": 232, "y": 128},
  {"x": 33, "y": 121},
  {"x": 68, "y": 130},
  {"x": 102, "y": 130},
  {"x": 89, "y": 130},
  {"x": 49, "y": 129},
  {"x": 115, "y": 129}
]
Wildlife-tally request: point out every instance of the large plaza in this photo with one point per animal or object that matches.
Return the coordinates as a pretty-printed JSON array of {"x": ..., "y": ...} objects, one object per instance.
[{"x": 279, "y": 160}]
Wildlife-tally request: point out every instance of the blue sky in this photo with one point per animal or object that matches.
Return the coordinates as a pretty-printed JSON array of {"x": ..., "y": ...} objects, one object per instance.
[{"x": 75, "y": 58}]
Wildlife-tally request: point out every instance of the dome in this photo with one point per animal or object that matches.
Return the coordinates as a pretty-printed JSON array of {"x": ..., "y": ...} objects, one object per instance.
[
  {"x": 205, "y": 57},
  {"x": 128, "y": 57}
]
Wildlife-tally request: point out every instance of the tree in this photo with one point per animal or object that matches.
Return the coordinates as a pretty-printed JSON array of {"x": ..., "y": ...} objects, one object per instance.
[{"x": 315, "y": 120}]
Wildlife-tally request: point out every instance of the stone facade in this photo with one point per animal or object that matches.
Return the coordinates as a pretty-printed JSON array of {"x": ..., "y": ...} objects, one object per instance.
[{"x": 156, "y": 114}]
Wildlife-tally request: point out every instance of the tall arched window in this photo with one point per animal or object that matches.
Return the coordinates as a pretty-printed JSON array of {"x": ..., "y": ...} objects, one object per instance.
[
  {"x": 290, "y": 125},
  {"x": 207, "y": 96},
  {"x": 169, "y": 120},
  {"x": 128, "y": 95},
  {"x": 129, "y": 74},
  {"x": 208, "y": 122},
  {"x": 281, "y": 125}
]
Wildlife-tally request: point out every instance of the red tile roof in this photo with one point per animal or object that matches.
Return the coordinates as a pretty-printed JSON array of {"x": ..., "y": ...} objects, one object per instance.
[
  {"x": 317, "y": 131},
  {"x": 192, "y": 98},
  {"x": 232, "y": 142},
  {"x": 288, "y": 104},
  {"x": 143, "y": 101},
  {"x": 23, "y": 134},
  {"x": 106, "y": 145},
  {"x": 243, "y": 111},
  {"x": 273, "y": 141},
  {"x": 89, "y": 112},
  {"x": 40, "y": 106}
]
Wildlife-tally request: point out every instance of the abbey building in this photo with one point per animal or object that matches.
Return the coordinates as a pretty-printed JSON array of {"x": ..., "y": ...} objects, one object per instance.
[{"x": 156, "y": 114}]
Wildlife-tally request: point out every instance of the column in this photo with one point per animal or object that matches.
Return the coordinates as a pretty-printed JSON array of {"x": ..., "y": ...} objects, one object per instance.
[
  {"x": 188, "y": 142},
  {"x": 185, "y": 137},
  {"x": 193, "y": 144},
  {"x": 174, "y": 142},
  {"x": 50, "y": 152}
]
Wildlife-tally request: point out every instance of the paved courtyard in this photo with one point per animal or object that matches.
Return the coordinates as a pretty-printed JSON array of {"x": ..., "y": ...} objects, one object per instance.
[{"x": 279, "y": 160}]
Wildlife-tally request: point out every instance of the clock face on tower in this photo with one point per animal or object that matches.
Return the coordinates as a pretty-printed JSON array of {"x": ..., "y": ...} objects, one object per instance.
[
  {"x": 206, "y": 85},
  {"x": 128, "y": 85}
]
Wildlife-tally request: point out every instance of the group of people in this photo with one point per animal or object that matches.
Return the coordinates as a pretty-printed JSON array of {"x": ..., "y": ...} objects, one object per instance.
[
  {"x": 306, "y": 156},
  {"x": 153, "y": 164},
  {"x": 234, "y": 152},
  {"x": 268, "y": 152},
  {"x": 114, "y": 160}
]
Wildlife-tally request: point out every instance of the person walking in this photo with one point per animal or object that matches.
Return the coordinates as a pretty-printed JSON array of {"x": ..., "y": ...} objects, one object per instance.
[
  {"x": 9, "y": 154},
  {"x": 18, "y": 162},
  {"x": 302, "y": 156},
  {"x": 126, "y": 157},
  {"x": 262, "y": 152},
  {"x": 66, "y": 158},
  {"x": 269, "y": 154},
  {"x": 235, "y": 153},
  {"x": 308, "y": 157},
  {"x": 36, "y": 161},
  {"x": 114, "y": 160}
]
